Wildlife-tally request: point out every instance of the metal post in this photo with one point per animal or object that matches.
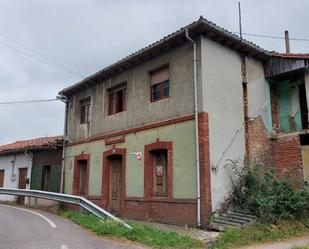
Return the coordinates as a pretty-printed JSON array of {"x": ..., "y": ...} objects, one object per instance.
[{"x": 287, "y": 41}]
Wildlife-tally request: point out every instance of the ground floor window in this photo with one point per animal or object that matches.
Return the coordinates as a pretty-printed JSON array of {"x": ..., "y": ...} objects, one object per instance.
[
  {"x": 292, "y": 105},
  {"x": 158, "y": 173}
]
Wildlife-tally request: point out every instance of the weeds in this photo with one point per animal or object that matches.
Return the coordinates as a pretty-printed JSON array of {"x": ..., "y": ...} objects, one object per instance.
[{"x": 140, "y": 233}]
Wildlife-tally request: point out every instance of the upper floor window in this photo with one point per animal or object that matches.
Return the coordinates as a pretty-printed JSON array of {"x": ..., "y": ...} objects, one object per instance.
[
  {"x": 85, "y": 109},
  {"x": 117, "y": 99},
  {"x": 159, "y": 81},
  {"x": 292, "y": 110}
]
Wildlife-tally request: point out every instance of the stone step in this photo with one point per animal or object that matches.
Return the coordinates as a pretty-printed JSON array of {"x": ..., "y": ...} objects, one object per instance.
[
  {"x": 231, "y": 219},
  {"x": 219, "y": 226},
  {"x": 239, "y": 217},
  {"x": 227, "y": 222},
  {"x": 242, "y": 214}
]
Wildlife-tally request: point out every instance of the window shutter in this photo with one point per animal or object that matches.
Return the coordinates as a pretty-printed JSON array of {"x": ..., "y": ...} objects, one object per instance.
[{"x": 159, "y": 76}]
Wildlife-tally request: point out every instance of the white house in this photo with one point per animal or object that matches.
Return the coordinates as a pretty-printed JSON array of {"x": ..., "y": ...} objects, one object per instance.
[
  {"x": 15, "y": 169},
  {"x": 16, "y": 164}
]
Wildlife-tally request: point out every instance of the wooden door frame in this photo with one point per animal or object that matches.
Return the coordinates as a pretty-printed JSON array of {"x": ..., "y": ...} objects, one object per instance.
[
  {"x": 76, "y": 174},
  {"x": 106, "y": 177},
  {"x": 19, "y": 198}
]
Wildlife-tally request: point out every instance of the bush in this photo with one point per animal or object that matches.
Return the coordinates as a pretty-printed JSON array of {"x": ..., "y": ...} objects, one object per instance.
[{"x": 270, "y": 198}]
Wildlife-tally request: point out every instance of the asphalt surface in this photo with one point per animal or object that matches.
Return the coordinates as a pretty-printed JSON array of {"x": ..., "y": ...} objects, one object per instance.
[{"x": 33, "y": 229}]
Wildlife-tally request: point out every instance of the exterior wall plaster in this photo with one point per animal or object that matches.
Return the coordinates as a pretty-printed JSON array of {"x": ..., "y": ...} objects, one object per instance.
[
  {"x": 223, "y": 101},
  {"x": 21, "y": 161}
]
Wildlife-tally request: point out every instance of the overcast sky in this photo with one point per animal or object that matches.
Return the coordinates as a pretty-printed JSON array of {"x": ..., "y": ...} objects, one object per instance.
[{"x": 85, "y": 36}]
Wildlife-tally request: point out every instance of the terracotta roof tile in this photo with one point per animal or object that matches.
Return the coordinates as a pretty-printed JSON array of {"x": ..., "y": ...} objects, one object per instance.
[
  {"x": 291, "y": 56},
  {"x": 32, "y": 144}
]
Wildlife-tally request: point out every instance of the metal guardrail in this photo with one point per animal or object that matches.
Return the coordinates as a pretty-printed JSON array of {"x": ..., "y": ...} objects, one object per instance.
[{"x": 71, "y": 199}]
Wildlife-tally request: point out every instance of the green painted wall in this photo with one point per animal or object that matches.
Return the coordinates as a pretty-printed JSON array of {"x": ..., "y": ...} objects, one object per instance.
[
  {"x": 55, "y": 175},
  {"x": 36, "y": 178},
  {"x": 182, "y": 136},
  {"x": 289, "y": 106}
]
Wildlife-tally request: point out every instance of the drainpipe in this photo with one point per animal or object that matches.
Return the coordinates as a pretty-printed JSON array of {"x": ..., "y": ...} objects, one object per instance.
[
  {"x": 197, "y": 148},
  {"x": 65, "y": 100}
]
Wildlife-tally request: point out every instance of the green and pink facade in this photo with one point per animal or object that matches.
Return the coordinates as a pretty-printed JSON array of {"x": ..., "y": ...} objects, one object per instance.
[{"x": 133, "y": 129}]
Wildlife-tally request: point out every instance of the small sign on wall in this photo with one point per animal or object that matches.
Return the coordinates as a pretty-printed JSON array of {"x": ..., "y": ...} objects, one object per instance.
[
  {"x": 138, "y": 155},
  {"x": 13, "y": 177},
  {"x": 159, "y": 170}
]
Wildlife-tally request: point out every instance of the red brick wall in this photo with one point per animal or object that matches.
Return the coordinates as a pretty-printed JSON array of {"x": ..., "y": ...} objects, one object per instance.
[
  {"x": 258, "y": 142},
  {"x": 172, "y": 212},
  {"x": 287, "y": 156},
  {"x": 280, "y": 151},
  {"x": 205, "y": 177}
]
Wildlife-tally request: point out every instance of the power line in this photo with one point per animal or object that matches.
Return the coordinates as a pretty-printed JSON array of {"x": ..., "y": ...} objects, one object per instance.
[
  {"x": 27, "y": 101},
  {"x": 273, "y": 37},
  {"x": 27, "y": 55},
  {"x": 47, "y": 59}
]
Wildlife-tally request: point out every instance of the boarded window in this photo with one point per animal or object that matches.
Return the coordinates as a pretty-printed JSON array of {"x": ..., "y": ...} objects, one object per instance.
[
  {"x": 46, "y": 178},
  {"x": 117, "y": 99},
  {"x": 159, "y": 81},
  {"x": 1, "y": 178},
  {"x": 85, "y": 110},
  {"x": 160, "y": 172},
  {"x": 82, "y": 164}
]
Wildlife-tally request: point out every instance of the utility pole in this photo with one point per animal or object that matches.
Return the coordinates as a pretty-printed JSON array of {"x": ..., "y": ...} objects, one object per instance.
[
  {"x": 244, "y": 89},
  {"x": 287, "y": 41},
  {"x": 239, "y": 18}
]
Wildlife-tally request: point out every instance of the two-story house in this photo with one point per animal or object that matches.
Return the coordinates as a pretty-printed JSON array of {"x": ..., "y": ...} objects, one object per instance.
[{"x": 149, "y": 136}]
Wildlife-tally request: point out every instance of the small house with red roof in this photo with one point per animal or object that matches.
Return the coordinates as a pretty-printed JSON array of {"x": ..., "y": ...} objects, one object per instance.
[{"x": 31, "y": 164}]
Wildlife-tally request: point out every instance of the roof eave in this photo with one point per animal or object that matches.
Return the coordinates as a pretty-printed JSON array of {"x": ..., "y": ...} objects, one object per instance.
[{"x": 198, "y": 28}]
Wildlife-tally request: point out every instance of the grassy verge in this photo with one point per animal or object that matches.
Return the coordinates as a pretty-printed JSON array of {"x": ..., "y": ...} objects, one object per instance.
[
  {"x": 301, "y": 247},
  {"x": 140, "y": 233},
  {"x": 255, "y": 234}
]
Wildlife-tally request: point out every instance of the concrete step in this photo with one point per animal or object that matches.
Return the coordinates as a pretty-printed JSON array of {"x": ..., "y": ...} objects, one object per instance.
[
  {"x": 215, "y": 226},
  {"x": 227, "y": 222},
  {"x": 242, "y": 214},
  {"x": 232, "y": 219},
  {"x": 239, "y": 217}
]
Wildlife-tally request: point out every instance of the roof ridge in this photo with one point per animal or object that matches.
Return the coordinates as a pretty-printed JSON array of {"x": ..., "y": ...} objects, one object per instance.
[
  {"x": 201, "y": 20},
  {"x": 35, "y": 143}
]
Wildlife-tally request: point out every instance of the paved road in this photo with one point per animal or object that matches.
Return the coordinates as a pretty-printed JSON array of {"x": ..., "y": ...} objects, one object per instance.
[{"x": 33, "y": 229}]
